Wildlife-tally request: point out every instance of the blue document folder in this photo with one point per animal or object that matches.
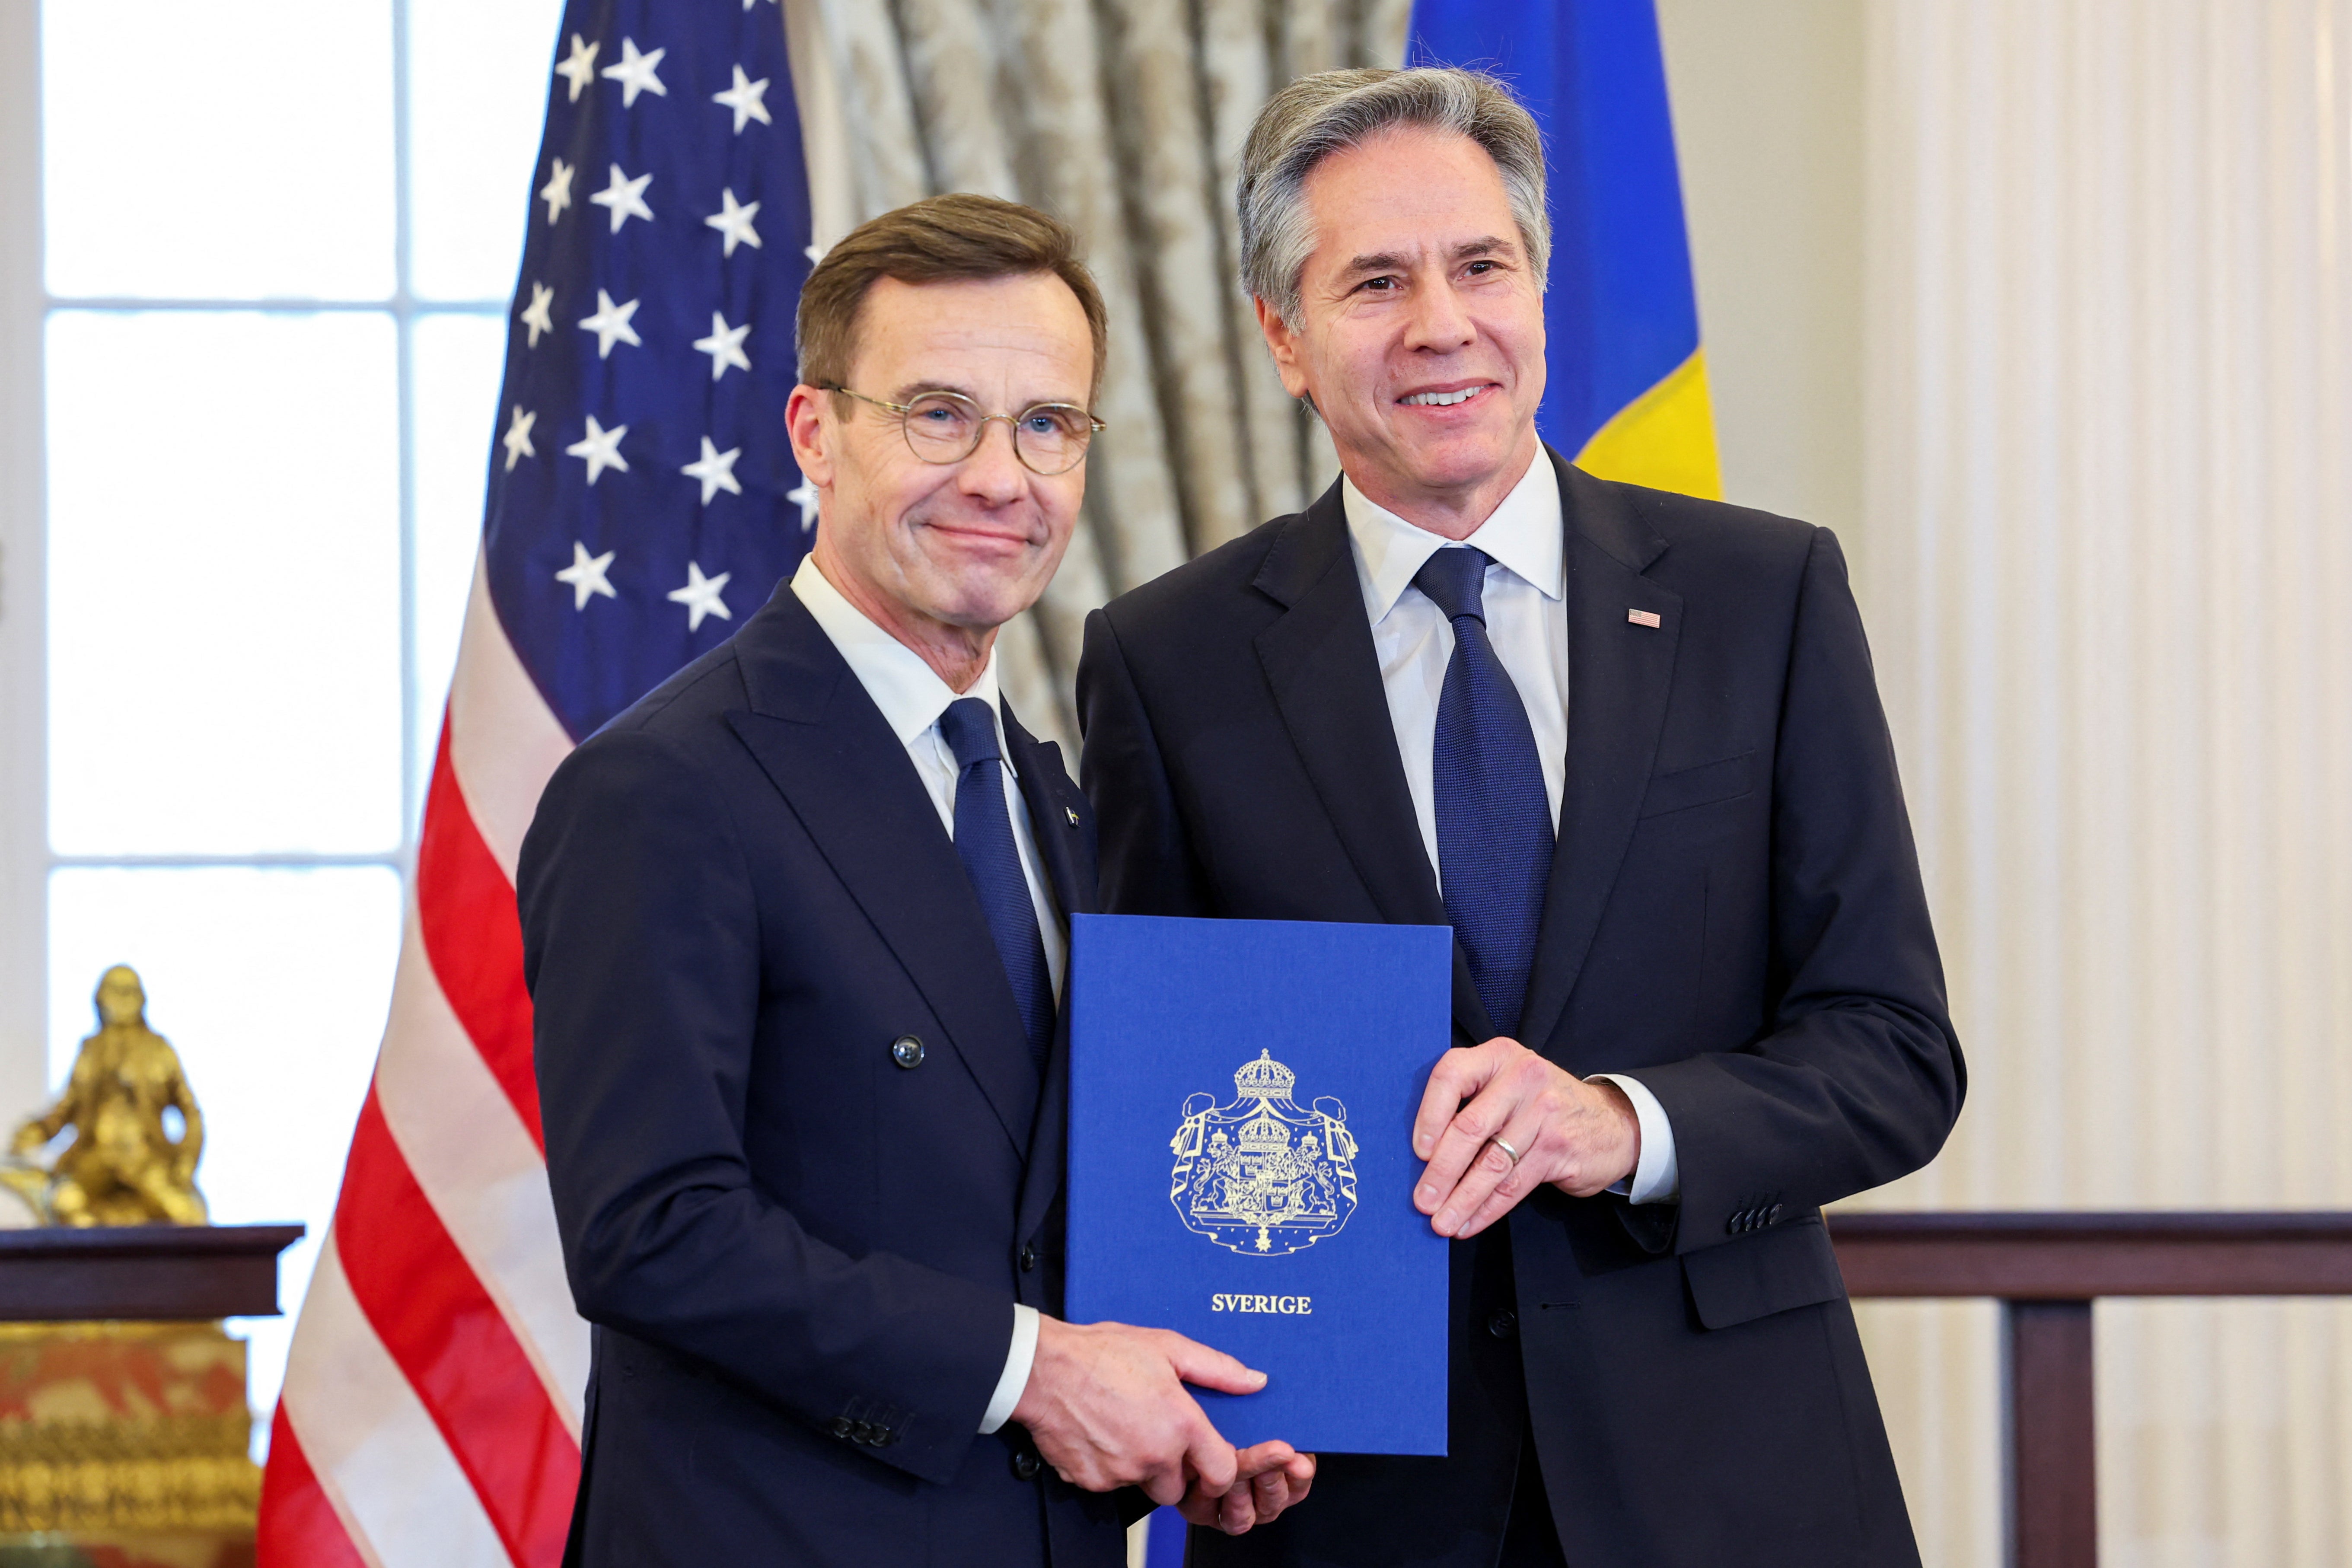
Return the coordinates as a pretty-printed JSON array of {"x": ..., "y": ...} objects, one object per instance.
[{"x": 1242, "y": 1095}]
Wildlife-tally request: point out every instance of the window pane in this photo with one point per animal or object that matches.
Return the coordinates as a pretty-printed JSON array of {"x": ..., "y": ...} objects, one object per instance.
[
  {"x": 237, "y": 149},
  {"x": 272, "y": 986},
  {"x": 478, "y": 79},
  {"x": 223, "y": 583},
  {"x": 457, "y": 362}
]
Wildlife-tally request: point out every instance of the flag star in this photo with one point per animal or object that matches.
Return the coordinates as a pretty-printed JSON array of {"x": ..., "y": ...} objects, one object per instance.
[
  {"x": 748, "y": 3},
  {"x": 733, "y": 220},
  {"x": 636, "y": 73},
  {"x": 701, "y": 598},
  {"x": 748, "y": 99},
  {"x": 716, "y": 469},
  {"x": 601, "y": 447},
  {"x": 557, "y": 192},
  {"x": 815, "y": 253},
  {"x": 724, "y": 346},
  {"x": 611, "y": 321},
  {"x": 586, "y": 575},
  {"x": 804, "y": 498},
  {"x": 579, "y": 67},
  {"x": 625, "y": 198},
  {"x": 535, "y": 314},
  {"x": 517, "y": 440}
]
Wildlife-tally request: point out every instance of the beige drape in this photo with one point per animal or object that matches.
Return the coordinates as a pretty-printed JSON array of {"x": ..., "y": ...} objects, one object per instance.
[
  {"x": 1124, "y": 118},
  {"x": 2107, "y": 563}
]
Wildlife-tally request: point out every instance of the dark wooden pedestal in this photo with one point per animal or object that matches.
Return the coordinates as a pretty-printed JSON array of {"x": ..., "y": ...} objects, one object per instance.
[
  {"x": 147, "y": 1272},
  {"x": 125, "y": 1432},
  {"x": 2047, "y": 1270}
]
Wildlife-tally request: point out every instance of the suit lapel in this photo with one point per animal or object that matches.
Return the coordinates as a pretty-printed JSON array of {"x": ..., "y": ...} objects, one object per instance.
[
  {"x": 1325, "y": 679},
  {"x": 826, "y": 748},
  {"x": 1061, "y": 823},
  {"x": 1619, "y": 675}
]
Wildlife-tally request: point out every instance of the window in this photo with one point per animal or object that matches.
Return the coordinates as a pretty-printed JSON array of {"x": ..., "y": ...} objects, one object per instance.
[{"x": 279, "y": 241}]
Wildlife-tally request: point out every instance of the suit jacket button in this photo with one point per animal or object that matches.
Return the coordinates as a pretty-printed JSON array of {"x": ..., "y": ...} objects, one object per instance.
[
  {"x": 1737, "y": 1223},
  {"x": 1772, "y": 1215},
  {"x": 906, "y": 1051},
  {"x": 1503, "y": 1324},
  {"x": 843, "y": 1426},
  {"x": 1025, "y": 1465},
  {"x": 1028, "y": 1257}
]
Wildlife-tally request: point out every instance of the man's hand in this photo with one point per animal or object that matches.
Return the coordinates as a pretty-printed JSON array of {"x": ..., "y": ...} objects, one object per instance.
[
  {"x": 1582, "y": 1138},
  {"x": 1107, "y": 1406},
  {"x": 1267, "y": 1478}
]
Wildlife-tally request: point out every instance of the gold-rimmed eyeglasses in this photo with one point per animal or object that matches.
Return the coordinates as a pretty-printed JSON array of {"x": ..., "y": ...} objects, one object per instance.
[{"x": 1049, "y": 438}]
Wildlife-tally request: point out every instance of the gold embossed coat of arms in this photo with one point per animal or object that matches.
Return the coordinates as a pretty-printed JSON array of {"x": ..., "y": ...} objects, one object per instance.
[{"x": 1261, "y": 1176}]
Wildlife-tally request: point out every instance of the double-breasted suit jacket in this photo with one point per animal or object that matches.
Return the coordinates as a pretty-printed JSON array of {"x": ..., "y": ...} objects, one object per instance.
[
  {"x": 1734, "y": 916},
  {"x": 803, "y": 1162}
]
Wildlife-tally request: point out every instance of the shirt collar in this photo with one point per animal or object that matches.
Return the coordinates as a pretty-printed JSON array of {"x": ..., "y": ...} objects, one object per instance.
[
  {"x": 910, "y": 692},
  {"x": 1523, "y": 534}
]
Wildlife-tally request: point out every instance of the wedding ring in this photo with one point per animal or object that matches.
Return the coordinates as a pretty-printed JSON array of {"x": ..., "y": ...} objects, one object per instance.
[{"x": 1505, "y": 1148}]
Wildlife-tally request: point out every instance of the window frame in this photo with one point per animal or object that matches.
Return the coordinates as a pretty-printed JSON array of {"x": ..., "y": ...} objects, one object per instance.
[{"x": 26, "y": 858}]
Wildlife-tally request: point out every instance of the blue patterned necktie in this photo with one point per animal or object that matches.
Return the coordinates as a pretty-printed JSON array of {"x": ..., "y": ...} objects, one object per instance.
[
  {"x": 1494, "y": 822},
  {"x": 983, "y": 841}
]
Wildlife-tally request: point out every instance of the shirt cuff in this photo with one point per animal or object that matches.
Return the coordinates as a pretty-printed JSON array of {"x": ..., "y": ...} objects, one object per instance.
[
  {"x": 1017, "y": 1361},
  {"x": 1656, "y": 1178}
]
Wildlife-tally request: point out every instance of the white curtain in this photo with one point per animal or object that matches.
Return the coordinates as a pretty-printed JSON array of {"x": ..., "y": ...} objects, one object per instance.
[{"x": 2107, "y": 563}]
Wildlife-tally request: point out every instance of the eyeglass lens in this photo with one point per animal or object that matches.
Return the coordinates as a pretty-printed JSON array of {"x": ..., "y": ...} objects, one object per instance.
[{"x": 944, "y": 427}]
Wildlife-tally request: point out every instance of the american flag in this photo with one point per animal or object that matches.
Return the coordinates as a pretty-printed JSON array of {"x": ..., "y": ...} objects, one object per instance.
[{"x": 642, "y": 501}]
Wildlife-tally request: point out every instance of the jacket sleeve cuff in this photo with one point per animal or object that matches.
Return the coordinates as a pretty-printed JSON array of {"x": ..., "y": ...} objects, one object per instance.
[
  {"x": 1018, "y": 1358},
  {"x": 1657, "y": 1178}
]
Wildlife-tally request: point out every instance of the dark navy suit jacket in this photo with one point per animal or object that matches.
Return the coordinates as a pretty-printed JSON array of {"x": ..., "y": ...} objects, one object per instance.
[
  {"x": 1734, "y": 914},
  {"x": 799, "y": 1253}
]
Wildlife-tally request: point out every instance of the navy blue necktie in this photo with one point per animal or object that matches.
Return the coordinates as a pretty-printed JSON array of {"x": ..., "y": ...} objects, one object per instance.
[
  {"x": 1494, "y": 821},
  {"x": 983, "y": 841}
]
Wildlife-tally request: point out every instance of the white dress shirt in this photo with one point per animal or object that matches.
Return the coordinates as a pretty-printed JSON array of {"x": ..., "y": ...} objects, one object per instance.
[
  {"x": 1527, "y": 621},
  {"x": 911, "y": 697}
]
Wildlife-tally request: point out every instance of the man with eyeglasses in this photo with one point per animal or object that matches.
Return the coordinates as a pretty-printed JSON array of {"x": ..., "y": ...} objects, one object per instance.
[{"x": 795, "y": 930}]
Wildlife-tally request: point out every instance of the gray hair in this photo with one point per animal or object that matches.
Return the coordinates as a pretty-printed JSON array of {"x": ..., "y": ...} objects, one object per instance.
[{"x": 1331, "y": 112}]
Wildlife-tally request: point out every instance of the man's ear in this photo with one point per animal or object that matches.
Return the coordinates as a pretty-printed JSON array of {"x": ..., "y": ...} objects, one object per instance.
[
  {"x": 809, "y": 422},
  {"x": 1283, "y": 343}
]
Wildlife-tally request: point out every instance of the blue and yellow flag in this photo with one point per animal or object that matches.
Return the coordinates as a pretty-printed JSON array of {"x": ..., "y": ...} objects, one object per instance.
[{"x": 1626, "y": 378}]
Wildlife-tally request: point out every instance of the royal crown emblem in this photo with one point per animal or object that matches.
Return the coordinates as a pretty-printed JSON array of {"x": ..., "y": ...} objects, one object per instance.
[{"x": 1260, "y": 1176}]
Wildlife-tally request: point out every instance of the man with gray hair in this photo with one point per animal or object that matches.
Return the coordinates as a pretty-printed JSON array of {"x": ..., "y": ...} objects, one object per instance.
[{"x": 1629, "y": 746}]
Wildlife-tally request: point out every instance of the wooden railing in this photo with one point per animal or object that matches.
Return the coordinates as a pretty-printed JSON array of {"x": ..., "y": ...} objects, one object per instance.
[{"x": 2046, "y": 1270}]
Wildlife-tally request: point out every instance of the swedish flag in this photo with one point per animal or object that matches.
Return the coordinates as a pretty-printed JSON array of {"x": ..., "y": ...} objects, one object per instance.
[{"x": 1626, "y": 378}]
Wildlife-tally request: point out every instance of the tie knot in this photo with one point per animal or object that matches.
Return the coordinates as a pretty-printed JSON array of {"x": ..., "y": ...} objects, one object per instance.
[
  {"x": 1455, "y": 582},
  {"x": 969, "y": 727}
]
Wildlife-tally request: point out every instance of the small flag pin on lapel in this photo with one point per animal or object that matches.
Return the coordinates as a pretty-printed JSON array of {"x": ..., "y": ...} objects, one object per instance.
[
  {"x": 1644, "y": 617},
  {"x": 1072, "y": 814}
]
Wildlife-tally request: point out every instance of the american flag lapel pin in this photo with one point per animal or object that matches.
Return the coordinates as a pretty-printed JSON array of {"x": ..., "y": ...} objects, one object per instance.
[{"x": 1644, "y": 618}]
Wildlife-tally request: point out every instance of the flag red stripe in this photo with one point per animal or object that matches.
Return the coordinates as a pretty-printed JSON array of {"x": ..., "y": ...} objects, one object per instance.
[
  {"x": 297, "y": 1523},
  {"x": 455, "y": 1348},
  {"x": 474, "y": 937}
]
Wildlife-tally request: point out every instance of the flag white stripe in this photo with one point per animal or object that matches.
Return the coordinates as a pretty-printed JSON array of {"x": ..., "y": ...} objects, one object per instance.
[
  {"x": 504, "y": 740},
  {"x": 370, "y": 1442},
  {"x": 481, "y": 1171}
]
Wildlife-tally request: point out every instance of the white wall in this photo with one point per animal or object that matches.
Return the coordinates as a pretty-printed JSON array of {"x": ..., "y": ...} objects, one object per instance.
[
  {"x": 1767, "y": 107},
  {"x": 24, "y": 957}
]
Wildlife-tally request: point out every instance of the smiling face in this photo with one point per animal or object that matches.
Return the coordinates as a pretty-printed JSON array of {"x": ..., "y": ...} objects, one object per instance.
[
  {"x": 942, "y": 554},
  {"x": 1421, "y": 334}
]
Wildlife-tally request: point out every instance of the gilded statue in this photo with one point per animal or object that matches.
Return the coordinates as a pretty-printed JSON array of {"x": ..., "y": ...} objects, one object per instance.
[{"x": 124, "y": 1166}]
